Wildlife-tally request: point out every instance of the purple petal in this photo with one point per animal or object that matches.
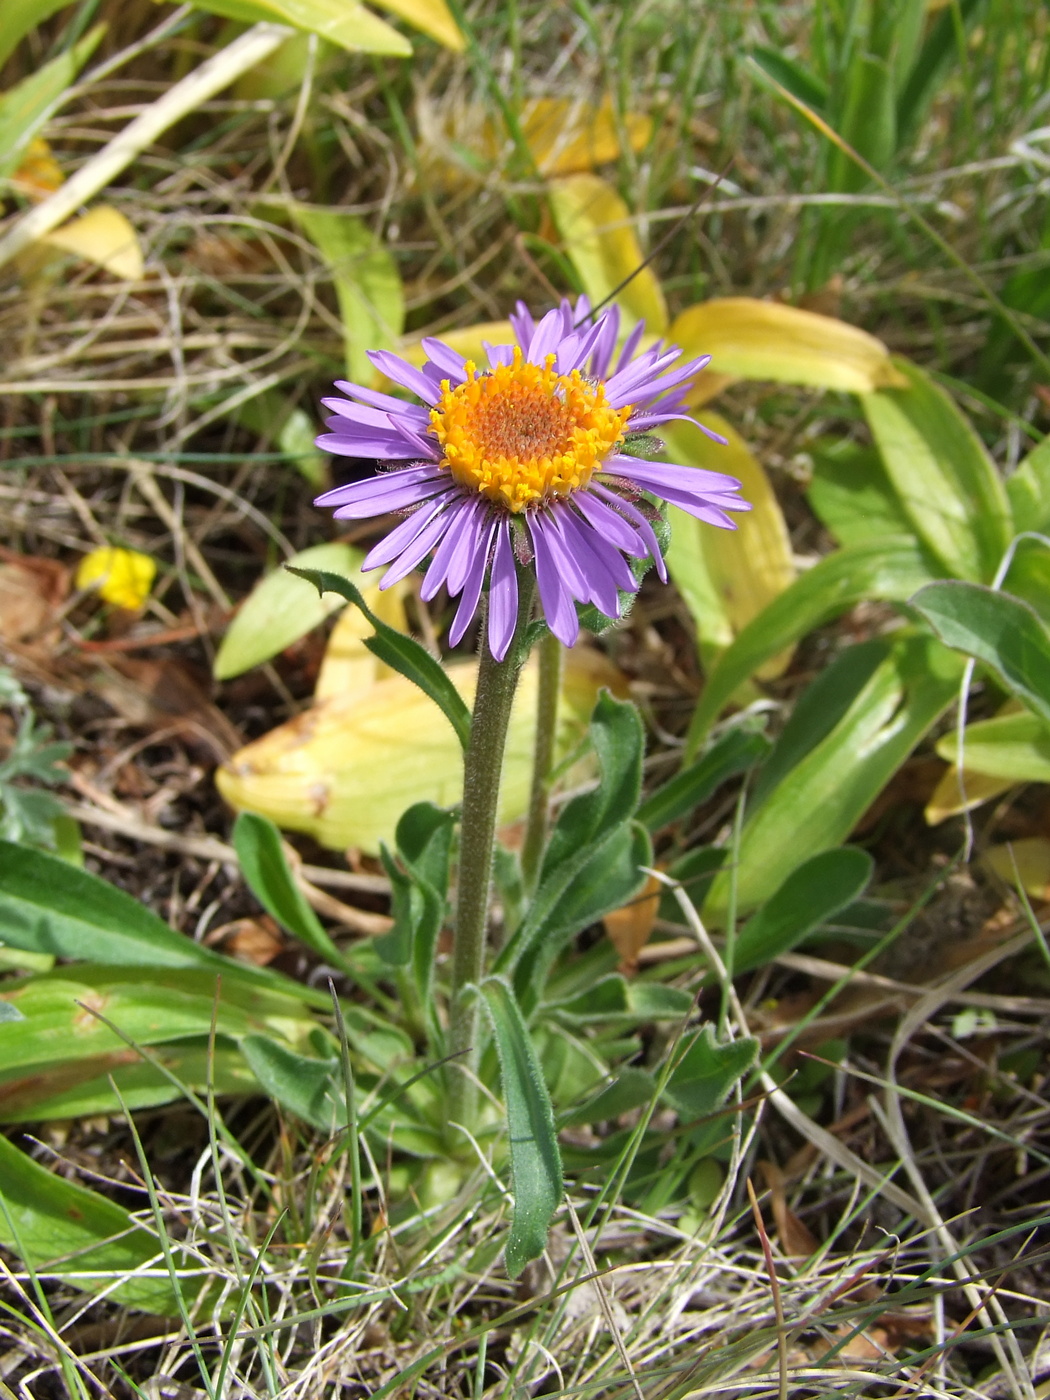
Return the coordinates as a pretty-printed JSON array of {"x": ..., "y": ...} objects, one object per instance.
[
  {"x": 607, "y": 328},
  {"x": 410, "y": 476},
  {"x": 401, "y": 372},
  {"x": 638, "y": 520},
  {"x": 630, "y": 345},
  {"x": 596, "y": 583},
  {"x": 390, "y": 447},
  {"x": 654, "y": 476},
  {"x": 421, "y": 446},
  {"x": 453, "y": 555},
  {"x": 449, "y": 361},
  {"x": 607, "y": 557},
  {"x": 547, "y": 337},
  {"x": 468, "y": 603},
  {"x": 498, "y": 354},
  {"x": 522, "y": 324},
  {"x": 610, "y": 524},
  {"x": 376, "y": 399},
  {"x": 558, "y": 607},
  {"x": 503, "y": 593},
  {"x": 360, "y": 500},
  {"x": 583, "y": 311},
  {"x": 417, "y": 550},
  {"x": 401, "y": 536}
]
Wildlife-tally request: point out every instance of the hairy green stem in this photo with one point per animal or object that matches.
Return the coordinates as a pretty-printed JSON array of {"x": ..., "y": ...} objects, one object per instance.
[
  {"x": 482, "y": 770},
  {"x": 551, "y": 652}
]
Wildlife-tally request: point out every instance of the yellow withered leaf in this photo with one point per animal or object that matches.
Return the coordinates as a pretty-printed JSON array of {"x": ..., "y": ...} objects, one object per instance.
[
  {"x": 597, "y": 230},
  {"x": 430, "y": 17},
  {"x": 947, "y": 801},
  {"x": 123, "y": 576},
  {"x": 39, "y": 174},
  {"x": 1028, "y": 859},
  {"x": 346, "y": 769},
  {"x": 349, "y": 668},
  {"x": 105, "y": 237},
  {"x": 744, "y": 569},
  {"x": 752, "y": 339}
]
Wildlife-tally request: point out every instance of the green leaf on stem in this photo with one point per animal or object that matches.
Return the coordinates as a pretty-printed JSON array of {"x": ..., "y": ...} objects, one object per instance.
[
  {"x": 996, "y": 629},
  {"x": 809, "y": 896},
  {"x": 629, "y": 1090},
  {"x": 739, "y": 749},
  {"x": 705, "y": 1073},
  {"x": 312, "y": 1089},
  {"x": 1029, "y": 490},
  {"x": 1013, "y": 747},
  {"x": 260, "y": 851},
  {"x": 535, "y": 1161},
  {"x": 402, "y": 654}
]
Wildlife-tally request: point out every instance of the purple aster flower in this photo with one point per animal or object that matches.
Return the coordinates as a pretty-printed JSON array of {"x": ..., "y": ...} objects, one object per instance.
[{"x": 529, "y": 458}]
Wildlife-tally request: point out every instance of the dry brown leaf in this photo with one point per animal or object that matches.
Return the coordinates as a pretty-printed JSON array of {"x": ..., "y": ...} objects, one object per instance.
[
  {"x": 165, "y": 694},
  {"x": 797, "y": 1241},
  {"x": 630, "y": 927}
]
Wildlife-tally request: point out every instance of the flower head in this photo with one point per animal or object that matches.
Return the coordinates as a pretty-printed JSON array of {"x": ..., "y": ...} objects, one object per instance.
[{"x": 527, "y": 457}]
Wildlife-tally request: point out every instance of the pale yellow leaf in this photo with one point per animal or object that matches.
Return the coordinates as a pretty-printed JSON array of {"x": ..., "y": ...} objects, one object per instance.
[
  {"x": 102, "y": 236},
  {"x": 751, "y": 339},
  {"x": 744, "y": 568},
  {"x": 122, "y": 577},
  {"x": 349, "y": 668},
  {"x": 1028, "y": 858},
  {"x": 430, "y": 17},
  {"x": 597, "y": 230},
  {"x": 947, "y": 801},
  {"x": 38, "y": 174},
  {"x": 342, "y": 22},
  {"x": 345, "y": 770}
]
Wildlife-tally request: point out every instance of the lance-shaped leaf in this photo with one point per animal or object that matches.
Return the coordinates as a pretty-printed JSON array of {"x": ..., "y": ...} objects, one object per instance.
[
  {"x": 998, "y": 630},
  {"x": 342, "y": 22},
  {"x": 264, "y": 865},
  {"x": 535, "y": 1161},
  {"x": 727, "y": 577},
  {"x": 810, "y": 896},
  {"x": 737, "y": 750},
  {"x": 65, "y": 1231},
  {"x": 851, "y": 494},
  {"x": 890, "y": 569},
  {"x": 281, "y": 608},
  {"x": 820, "y": 798},
  {"x": 705, "y": 1073},
  {"x": 1029, "y": 490},
  {"x": 597, "y": 230},
  {"x": 751, "y": 339},
  {"x": 403, "y": 654},
  {"x": 26, "y": 107},
  {"x": 1014, "y": 748},
  {"x": 944, "y": 479}
]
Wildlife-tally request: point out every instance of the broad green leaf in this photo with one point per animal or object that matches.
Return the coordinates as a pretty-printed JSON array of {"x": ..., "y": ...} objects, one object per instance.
[
  {"x": 597, "y": 230},
  {"x": 1028, "y": 576},
  {"x": 891, "y": 569},
  {"x": 367, "y": 284},
  {"x": 66, "y": 1231},
  {"x": 1012, "y": 747},
  {"x": 868, "y": 123},
  {"x": 19, "y": 17},
  {"x": 281, "y": 608},
  {"x": 26, "y": 107},
  {"x": 1029, "y": 490},
  {"x": 264, "y": 865},
  {"x": 808, "y": 897},
  {"x": 342, "y": 22},
  {"x": 614, "y": 998},
  {"x": 403, "y": 654},
  {"x": 998, "y": 630},
  {"x": 535, "y": 1162},
  {"x": 312, "y": 1089},
  {"x": 946, "y": 482},
  {"x": 49, "y": 906},
  {"x": 629, "y": 1090},
  {"x": 703, "y": 1077},
  {"x": 818, "y": 801},
  {"x": 852, "y": 495},
  {"x": 739, "y": 749},
  {"x": 745, "y": 568},
  {"x": 752, "y": 339}
]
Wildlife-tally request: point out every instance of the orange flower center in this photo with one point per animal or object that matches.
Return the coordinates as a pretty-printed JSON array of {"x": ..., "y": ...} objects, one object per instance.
[{"x": 523, "y": 433}]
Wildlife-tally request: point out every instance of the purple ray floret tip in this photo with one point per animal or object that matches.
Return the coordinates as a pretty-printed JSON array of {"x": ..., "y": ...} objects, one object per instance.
[{"x": 470, "y": 507}]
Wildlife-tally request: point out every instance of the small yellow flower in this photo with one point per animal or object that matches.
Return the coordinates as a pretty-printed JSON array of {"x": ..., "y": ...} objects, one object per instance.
[{"x": 123, "y": 576}]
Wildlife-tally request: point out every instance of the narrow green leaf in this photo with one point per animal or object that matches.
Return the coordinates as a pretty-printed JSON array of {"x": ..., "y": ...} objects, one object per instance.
[
  {"x": 49, "y": 906},
  {"x": 67, "y": 1231},
  {"x": 809, "y": 896},
  {"x": 794, "y": 76},
  {"x": 26, "y": 107},
  {"x": 367, "y": 284},
  {"x": 399, "y": 652},
  {"x": 535, "y": 1162},
  {"x": 282, "y": 608},
  {"x": 891, "y": 570},
  {"x": 868, "y": 122},
  {"x": 1013, "y": 747},
  {"x": 937, "y": 53},
  {"x": 946, "y": 482},
  {"x": 260, "y": 851},
  {"x": 739, "y": 749},
  {"x": 998, "y": 630},
  {"x": 703, "y": 1077},
  {"x": 310, "y": 1088},
  {"x": 818, "y": 802},
  {"x": 629, "y": 1090}
]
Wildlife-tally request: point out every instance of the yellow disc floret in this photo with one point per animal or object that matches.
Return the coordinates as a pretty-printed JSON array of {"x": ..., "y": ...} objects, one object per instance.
[{"x": 523, "y": 433}]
